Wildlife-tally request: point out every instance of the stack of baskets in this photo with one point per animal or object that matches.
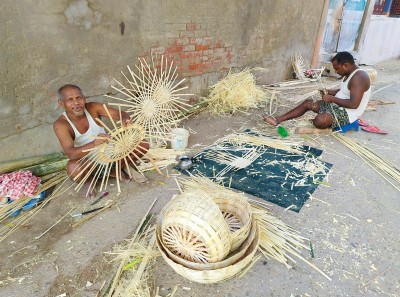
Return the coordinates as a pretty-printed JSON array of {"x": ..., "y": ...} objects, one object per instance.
[{"x": 207, "y": 237}]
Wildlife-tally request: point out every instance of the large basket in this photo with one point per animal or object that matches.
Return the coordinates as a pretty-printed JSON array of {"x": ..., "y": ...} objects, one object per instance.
[
  {"x": 193, "y": 228},
  {"x": 237, "y": 214},
  {"x": 215, "y": 275},
  {"x": 232, "y": 258}
]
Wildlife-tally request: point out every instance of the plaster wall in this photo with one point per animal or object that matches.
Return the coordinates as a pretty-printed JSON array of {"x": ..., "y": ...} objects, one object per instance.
[
  {"x": 48, "y": 43},
  {"x": 382, "y": 40}
]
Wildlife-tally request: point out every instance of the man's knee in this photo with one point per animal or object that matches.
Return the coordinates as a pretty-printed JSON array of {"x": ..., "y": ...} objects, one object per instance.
[
  {"x": 323, "y": 120},
  {"x": 72, "y": 168}
]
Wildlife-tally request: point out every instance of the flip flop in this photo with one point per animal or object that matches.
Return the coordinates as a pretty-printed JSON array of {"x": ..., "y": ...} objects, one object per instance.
[
  {"x": 362, "y": 123},
  {"x": 373, "y": 129}
]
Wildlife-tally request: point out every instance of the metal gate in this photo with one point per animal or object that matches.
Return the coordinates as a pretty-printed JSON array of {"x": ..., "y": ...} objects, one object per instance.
[{"x": 342, "y": 25}]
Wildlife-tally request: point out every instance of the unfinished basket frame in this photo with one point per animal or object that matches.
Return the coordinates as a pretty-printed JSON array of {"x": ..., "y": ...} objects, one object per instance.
[
  {"x": 215, "y": 275},
  {"x": 117, "y": 151},
  {"x": 193, "y": 228},
  {"x": 153, "y": 97}
]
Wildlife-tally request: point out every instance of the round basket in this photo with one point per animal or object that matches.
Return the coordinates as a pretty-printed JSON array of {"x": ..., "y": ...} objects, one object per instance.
[
  {"x": 237, "y": 214},
  {"x": 232, "y": 258},
  {"x": 215, "y": 275},
  {"x": 193, "y": 228}
]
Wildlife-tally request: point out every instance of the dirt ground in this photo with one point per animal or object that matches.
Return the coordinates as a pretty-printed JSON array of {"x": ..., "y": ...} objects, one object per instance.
[{"x": 353, "y": 223}]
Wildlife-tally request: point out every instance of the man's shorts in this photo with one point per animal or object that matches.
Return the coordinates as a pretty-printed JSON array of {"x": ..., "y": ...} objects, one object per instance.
[{"x": 339, "y": 114}]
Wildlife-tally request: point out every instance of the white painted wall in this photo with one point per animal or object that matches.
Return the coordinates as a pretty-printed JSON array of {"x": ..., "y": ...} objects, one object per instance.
[{"x": 382, "y": 41}]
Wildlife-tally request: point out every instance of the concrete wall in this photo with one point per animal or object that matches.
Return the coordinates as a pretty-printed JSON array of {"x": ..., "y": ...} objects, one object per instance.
[
  {"x": 382, "y": 40},
  {"x": 48, "y": 43}
]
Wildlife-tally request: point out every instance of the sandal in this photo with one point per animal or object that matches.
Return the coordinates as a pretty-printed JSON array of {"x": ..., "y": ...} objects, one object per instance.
[{"x": 373, "y": 129}]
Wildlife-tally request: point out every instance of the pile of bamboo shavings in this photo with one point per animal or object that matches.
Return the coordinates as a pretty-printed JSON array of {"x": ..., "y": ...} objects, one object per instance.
[
  {"x": 282, "y": 144},
  {"x": 277, "y": 240},
  {"x": 137, "y": 259},
  {"x": 384, "y": 168},
  {"x": 237, "y": 91},
  {"x": 139, "y": 254},
  {"x": 232, "y": 161}
]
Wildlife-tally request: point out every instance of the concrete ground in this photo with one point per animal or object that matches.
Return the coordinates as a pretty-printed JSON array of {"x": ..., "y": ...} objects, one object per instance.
[{"x": 353, "y": 224}]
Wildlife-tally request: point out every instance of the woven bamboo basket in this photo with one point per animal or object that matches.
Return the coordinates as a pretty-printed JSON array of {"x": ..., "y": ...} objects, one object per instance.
[
  {"x": 237, "y": 214},
  {"x": 232, "y": 258},
  {"x": 193, "y": 228},
  {"x": 215, "y": 275},
  {"x": 234, "y": 207}
]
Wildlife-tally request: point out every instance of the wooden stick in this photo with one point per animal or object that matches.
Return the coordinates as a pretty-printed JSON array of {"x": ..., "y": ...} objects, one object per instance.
[
  {"x": 37, "y": 237},
  {"x": 371, "y": 280}
]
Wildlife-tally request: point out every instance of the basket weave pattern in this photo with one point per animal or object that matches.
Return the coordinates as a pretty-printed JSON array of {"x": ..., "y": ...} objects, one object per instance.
[{"x": 192, "y": 227}]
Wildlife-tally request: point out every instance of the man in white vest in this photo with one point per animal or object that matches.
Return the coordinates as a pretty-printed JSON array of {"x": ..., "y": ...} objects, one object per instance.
[
  {"x": 76, "y": 128},
  {"x": 337, "y": 107}
]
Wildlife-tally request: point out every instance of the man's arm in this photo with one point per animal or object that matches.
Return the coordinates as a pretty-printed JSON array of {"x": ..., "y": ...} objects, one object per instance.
[
  {"x": 98, "y": 110},
  {"x": 332, "y": 92},
  {"x": 358, "y": 85},
  {"x": 61, "y": 129}
]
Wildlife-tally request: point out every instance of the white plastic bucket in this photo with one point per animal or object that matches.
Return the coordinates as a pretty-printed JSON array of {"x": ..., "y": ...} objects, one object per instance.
[{"x": 179, "y": 139}]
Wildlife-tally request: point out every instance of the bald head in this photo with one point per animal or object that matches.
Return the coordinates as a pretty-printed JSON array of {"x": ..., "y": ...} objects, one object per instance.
[{"x": 60, "y": 92}]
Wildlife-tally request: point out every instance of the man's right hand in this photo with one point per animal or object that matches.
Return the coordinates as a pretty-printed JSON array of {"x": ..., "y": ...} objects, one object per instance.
[{"x": 101, "y": 138}]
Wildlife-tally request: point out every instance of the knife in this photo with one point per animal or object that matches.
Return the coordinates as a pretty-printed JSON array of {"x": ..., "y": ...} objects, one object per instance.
[
  {"x": 101, "y": 197},
  {"x": 78, "y": 214}
]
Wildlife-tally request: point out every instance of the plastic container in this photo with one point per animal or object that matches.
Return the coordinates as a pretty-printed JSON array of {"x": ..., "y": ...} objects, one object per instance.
[{"x": 179, "y": 139}]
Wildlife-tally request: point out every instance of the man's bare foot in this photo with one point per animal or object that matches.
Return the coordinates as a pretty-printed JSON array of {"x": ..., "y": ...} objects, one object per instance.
[
  {"x": 270, "y": 120},
  {"x": 123, "y": 176},
  {"x": 137, "y": 177}
]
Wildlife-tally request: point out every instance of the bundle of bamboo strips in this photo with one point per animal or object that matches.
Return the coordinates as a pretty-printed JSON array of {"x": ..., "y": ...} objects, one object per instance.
[
  {"x": 383, "y": 167},
  {"x": 237, "y": 91},
  {"x": 162, "y": 158},
  {"x": 153, "y": 97}
]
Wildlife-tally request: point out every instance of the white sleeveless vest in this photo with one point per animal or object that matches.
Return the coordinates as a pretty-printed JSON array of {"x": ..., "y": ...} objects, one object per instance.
[
  {"x": 344, "y": 93},
  {"x": 94, "y": 130}
]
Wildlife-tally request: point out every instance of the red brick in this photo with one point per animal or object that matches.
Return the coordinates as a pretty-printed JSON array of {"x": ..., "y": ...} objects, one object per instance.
[
  {"x": 201, "y": 47},
  {"x": 195, "y": 66},
  {"x": 181, "y": 69},
  {"x": 174, "y": 49},
  {"x": 191, "y": 27}
]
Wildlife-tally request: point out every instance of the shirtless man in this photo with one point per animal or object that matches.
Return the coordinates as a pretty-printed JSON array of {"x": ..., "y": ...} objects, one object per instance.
[
  {"x": 337, "y": 107},
  {"x": 76, "y": 127}
]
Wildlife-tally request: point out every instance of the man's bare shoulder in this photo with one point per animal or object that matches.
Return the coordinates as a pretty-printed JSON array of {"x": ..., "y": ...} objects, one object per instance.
[
  {"x": 361, "y": 78},
  {"x": 61, "y": 124}
]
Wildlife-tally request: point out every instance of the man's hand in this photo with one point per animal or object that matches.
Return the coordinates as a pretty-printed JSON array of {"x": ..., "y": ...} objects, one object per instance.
[
  {"x": 323, "y": 92},
  {"x": 126, "y": 122},
  {"x": 328, "y": 98},
  {"x": 101, "y": 138}
]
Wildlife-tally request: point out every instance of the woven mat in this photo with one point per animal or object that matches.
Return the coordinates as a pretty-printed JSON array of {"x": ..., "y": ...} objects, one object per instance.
[{"x": 276, "y": 176}]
